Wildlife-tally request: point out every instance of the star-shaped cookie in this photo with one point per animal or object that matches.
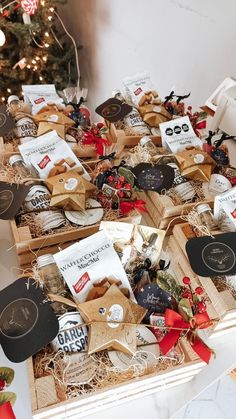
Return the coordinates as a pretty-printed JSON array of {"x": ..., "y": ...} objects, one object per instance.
[
  {"x": 69, "y": 190},
  {"x": 103, "y": 313}
]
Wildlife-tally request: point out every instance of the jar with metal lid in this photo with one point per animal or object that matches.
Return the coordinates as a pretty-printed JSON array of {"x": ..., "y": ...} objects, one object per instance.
[
  {"x": 20, "y": 167},
  {"x": 133, "y": 123},
  {"x": 52, "y": 280},
  {"x": 147, "y": 143},
  {"x": 206, "y": 217},
  {"x": 15, "y": 105}
]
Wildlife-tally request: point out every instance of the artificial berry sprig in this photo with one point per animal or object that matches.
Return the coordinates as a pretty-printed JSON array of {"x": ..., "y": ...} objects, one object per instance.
[{"x": 198, "y": 306}]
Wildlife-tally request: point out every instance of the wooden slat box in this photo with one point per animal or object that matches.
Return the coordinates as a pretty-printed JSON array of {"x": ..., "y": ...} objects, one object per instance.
[
  {"x": 118, "y": 136},
  {"x": 154, "y": 214},
  {"x": 224, "y": 302},
  {"x": 167, "y": 208},
  {"x": 84, "y": 151},
  {"x": 28, "y": 248},
  {"x": 102, "y": 399}
]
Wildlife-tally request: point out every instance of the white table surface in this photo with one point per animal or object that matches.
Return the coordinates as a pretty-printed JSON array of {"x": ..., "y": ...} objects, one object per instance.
[{"x": 161, "y": 405}]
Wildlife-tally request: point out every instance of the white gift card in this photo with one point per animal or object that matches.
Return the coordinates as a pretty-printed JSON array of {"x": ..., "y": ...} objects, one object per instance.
[
  {"x": 89, "y": 261},
  {"x": 178, "y": 134}
]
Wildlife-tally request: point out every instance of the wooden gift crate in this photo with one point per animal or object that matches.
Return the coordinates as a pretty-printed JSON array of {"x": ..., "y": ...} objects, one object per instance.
[
  {"x": 84, "y": 151},
  {"x": 42, "y": 390},
  {"x": 168, "y": 209},
  {"x": 154, "y": 216},
  {"x": 223, "y": 302},
  {"x": 118, "y": 136},
  {"x": 28, "y": 248}
]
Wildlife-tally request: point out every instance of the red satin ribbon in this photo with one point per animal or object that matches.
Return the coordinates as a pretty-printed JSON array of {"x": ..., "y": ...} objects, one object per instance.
[
  {"x": 126, "y": 206},
  {"x": 6, "y": 411},
  {"x": 199, "y": 125},
  {"x": 98, "y": 142},
  {"x": 175, "y": 320}
]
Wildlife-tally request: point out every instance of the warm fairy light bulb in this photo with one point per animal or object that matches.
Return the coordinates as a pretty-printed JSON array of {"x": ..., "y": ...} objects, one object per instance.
[
  {"x": 45, "y": 58},
  {"x": 50, "y": 17},
  {"x": 42, "y": 2},
  {"x": 28, "y": 66},
  {"x": 46, "y": 45},
  {"x": 46, "y": 34},
  {"x": 3, "y": 99},
  {"x": 33, "y": 61},
  {"x": 40, "y": 78},
  {"x": 2, "y": 38},
  {"x": 51, "y": 9},
  {"x": 37, "y": 58},
  {"x": 9, "y": 90}
]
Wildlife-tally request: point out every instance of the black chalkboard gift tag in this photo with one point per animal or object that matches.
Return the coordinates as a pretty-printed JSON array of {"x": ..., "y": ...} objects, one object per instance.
[
  {"x": 27, "y": 322},
  {"x": 11, "y": 199},
  {"x": 113, "y": 110},
  {"x": 212, "y": 256},
  {"x": 154, "y": 298},
  {"x": 7, "y": 123},
  {"x": 153, "y": 177}
]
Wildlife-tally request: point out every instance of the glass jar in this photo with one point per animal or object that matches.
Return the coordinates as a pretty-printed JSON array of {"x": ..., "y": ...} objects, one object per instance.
[
  {"x": 52, "y": 280},
  {"x": 147, "y": 143},
  {"x": 20, "y": 167},
  {"x": 206, "y": 217},
  {"x": 14, "y": 104}
]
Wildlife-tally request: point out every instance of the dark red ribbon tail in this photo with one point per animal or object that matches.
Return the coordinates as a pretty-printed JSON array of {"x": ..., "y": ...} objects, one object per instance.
[
  {"x": 6, "y": 411},
  {"x": 202, "y": 350},
  {"x": 169, "y": 341}
]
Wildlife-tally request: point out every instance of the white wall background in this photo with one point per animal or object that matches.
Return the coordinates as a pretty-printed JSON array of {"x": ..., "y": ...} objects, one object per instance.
[{"x": 188, "y": 44}]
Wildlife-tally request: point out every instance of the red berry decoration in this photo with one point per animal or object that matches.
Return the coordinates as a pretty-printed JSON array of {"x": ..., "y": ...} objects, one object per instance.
[
  {"x": 199, "y": 290},
  {"x": 3, "y": 385},
  {"x": 121, "y": 179},
  {"x": 186, "y": 294},
  {"x": 127, "y": 186},
  {"x": 111, "y": 178},
  {"x": 186, "y": 280},
  {"x": 201, "y": 307},
  {"x": 100, "y": 125},
  {"x": 118, "y": 185},
  {"x": 121, "y": 194}
]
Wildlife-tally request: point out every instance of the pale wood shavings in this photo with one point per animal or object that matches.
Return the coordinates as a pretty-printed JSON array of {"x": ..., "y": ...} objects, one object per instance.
[{"x": 47, "y": 362}]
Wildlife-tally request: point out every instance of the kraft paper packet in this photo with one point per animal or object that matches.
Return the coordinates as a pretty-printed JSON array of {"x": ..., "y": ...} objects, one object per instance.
[
  {"x": 195, "y": 164},
  {"x": 125, "y": 236},
  {"x": 50, "y": 156},
  {"x": 89, "y": 261}
]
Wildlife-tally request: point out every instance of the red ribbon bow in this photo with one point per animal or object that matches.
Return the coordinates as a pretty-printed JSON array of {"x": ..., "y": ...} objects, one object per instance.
[
  {"x": 6, "y": 411},
  {"x": 99, "y": 142},
  {"x": 175, "y": 320},
  {"x": 126, "y": 206}
]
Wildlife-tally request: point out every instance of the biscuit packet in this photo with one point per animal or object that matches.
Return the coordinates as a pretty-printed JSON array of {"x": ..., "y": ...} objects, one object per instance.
[
  {"x": 139, "y": 87},
  {"x": 40, "y": 95},
  {"x": 88, "y": 262},
  {"x": 50, "y": 156}
]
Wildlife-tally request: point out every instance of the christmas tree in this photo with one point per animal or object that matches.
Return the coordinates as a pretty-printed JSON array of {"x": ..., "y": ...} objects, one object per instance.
[{"x": 35, "y": 46}]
